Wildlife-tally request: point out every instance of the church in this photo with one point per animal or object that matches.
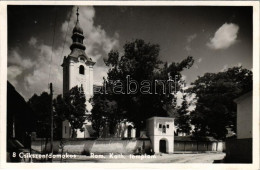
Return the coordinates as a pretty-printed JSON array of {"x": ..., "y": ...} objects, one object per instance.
[{"x": 78, "y": 71}]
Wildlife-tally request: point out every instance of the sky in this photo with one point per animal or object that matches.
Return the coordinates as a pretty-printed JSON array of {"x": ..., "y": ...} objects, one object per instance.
[{"x": 39, "y": 37}]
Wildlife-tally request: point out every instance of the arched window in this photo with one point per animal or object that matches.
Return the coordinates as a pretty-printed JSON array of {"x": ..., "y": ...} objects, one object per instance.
[{"x": 81, "y": 69}]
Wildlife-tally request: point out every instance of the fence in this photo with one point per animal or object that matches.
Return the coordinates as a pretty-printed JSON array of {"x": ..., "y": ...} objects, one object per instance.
[{"x": 199, "y": 146}]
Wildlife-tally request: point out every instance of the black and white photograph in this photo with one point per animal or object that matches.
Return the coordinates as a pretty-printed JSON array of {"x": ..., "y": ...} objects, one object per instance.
[{"x": 131, "y": 84}]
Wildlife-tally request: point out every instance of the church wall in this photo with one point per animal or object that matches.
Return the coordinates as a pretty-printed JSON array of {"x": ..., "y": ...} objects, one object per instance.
[
  {"x": 71, "y": 75},
  {"x": 91, "y": 82},
  {"x": 76, "y": 79},
  {"x": 72, "y": 78}
]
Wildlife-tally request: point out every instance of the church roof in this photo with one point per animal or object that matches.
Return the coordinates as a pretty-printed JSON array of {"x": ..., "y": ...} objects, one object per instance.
[{"x": 77, "y": 28}]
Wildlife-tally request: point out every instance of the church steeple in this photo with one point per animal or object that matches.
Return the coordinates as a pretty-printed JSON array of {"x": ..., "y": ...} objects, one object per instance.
[
  {"x": 77, "y": 71},
  {"x": 77, "y": 36},
  {"x": 77, "y": 14}
]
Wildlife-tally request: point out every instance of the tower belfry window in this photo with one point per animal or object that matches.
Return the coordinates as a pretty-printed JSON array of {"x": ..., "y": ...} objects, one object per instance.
[
  {"x": 81, "y": 69},
  {"x": 163, "y": 129}
]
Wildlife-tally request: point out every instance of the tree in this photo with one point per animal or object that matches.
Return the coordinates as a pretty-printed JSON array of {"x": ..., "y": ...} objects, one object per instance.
[
  {"x": 215, "y": 109},
  {"x": 104, "y": 111},
  {"x": 41, "y": 107},
  {"x": 59, "y": 107},
  {"x": 72, "y": 107},
  {"x": 182, "y": 120},
  {"x": 139, "y": 62}
]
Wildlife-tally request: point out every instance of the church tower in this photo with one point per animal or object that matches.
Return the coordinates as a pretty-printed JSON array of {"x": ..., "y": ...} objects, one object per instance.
[{"x": 77, "y": 71}]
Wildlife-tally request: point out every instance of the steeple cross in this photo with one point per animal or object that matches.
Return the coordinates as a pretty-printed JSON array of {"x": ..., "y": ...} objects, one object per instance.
[{"x": 77, "y": 14}]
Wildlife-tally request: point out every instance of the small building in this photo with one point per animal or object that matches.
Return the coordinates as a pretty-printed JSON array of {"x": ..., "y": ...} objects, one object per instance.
[
  {"x": 244, "y": 116},
  {"x": 239, "y": 150},
  {"x": 161, "y": 132}
]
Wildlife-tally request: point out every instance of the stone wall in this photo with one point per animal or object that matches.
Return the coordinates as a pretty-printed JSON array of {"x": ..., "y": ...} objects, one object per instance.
[
  {"x": 199, "y": 146},
  {"x": 124, "y": 146},
  {"x": 97, "y": 146}
]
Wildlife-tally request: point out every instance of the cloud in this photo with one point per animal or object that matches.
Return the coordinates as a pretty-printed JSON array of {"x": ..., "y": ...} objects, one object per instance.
[
  {"x": 45, "y": 70},
  {"x": 34, "y": 75},
  {"x": 191, "y": 37},
  {"x": 224, "y": 37},
  {"x": 97, "y": 41},
  {"x": 17, "y": 65},
  {"x": 13, "y": 72},
  {"x": 196, "y": 66},
  {"x": 32, "y": 41},
  {"x": 225, "y": 67},
  {"x": 179, "y": 96},
  {"x": 15, "y": 58},
  {"x": 187, "y": 48},
  {"x": 99, "y": 73},
  {"x": 183, "y": 77},
  {"x": 191, "y": 100}
]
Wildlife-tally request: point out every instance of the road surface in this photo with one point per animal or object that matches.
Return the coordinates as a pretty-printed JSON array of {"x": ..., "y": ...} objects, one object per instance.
[{"x": 162, "y": 158}]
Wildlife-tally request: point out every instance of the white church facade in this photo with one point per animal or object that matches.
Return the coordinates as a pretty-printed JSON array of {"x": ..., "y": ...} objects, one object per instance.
[{"x": 78, "y": 71}]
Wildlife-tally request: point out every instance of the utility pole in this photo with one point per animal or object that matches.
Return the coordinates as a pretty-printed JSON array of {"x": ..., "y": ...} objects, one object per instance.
[{"x": 51, "y": 93}]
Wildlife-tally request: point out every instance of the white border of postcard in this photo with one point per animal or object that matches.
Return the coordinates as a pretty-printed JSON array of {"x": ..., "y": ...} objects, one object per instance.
[{"x": 3, "y": 78}]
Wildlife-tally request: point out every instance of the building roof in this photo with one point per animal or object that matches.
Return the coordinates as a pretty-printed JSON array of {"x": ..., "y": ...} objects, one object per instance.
[
  {"x": 192, "y": 139},
  {"x": 156, "y": 117},
  {"x": 77, "y": 28},
  {"x": 244, "y": 96}
]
